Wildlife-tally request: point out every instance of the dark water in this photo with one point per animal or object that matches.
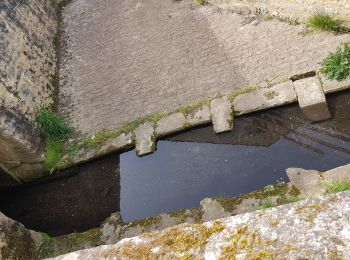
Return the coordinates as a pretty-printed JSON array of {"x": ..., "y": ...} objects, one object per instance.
[
  {"x": 185, "y": 169},
  {"x": 197, "y": 164}
]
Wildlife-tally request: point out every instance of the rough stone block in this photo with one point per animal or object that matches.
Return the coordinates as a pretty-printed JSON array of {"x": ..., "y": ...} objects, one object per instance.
[
  {"x": 199, "y": 116},
  {"x": 264, "y": 98},
  {"x": 312, "y": 100},
  {"x": 122, "y": 141},
  {"x": 307, "y": 182},
  {"x": 144, "y": 139},
  {"x": 330, "y": 86},
  {"x": 170, "y": 124},
  {"x": 221, "y": 114},
  {"x": 338, "y": 174}
]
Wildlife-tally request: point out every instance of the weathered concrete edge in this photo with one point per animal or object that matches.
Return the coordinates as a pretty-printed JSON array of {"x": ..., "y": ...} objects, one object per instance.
[
  {"x": 95, "y": 152},
  {"x": 313, "y": 215}
]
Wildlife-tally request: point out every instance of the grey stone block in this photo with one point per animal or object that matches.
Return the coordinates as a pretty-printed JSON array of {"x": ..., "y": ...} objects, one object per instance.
[
  {"x": 338, "y": 174},
  {"x": 170, "y": 124},
  {"x": 221, "y": 114},
  {"x": 311, "y": 98},
  {"x": 144, "y": 139},
  {"x": 264, "y": 98},
  {"x": 308, "y": 182},
  {"x": 122, "y": 141},
  {"x": 199, "y": 116},
  {"x": 330, "y": 86}
]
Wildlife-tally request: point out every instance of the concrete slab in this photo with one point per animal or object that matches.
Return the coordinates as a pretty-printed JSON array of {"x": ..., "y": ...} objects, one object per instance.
[
  {"x": 264, "y": 98},
  {"x": 221, "y": 114},
  {"x": 330, "y": 86},
  {"x": 311, "y": 98},
  {"x": 199, "y": 116},
  {"x": 144, "y": 139},
  {"x": 338, "y": 174},
  {"x": 170, "y": 124},
  {"x": 124, "y": 140}
]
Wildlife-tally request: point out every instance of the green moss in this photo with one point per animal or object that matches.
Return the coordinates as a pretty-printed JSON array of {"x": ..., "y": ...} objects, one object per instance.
[
  {"x": 186, "y": 110},
  {"x": 201, "y": 2},
  {"x": 244, "y": 90},
  {"x": 52, "y": 247},
  {"x": 153, "y": 220},
  {"x": 335, "y": 187},
  {"x": 53, "y": 154}
]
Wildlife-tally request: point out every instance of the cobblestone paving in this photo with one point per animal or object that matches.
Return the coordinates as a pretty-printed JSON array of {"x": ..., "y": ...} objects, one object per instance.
[{"x": 130, "y": 58}]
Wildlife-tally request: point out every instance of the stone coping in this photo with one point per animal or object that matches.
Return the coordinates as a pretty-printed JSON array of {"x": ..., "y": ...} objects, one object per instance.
[
  {"x": 220, "y": 110},
  {"x": 317, "y": 227}
]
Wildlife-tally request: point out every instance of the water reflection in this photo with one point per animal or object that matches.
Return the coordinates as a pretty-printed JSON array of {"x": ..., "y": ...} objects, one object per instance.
[{"x": 196, "y": 164}]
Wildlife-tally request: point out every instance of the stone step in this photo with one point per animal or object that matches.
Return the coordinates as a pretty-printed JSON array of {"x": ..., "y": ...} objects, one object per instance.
[
  {"x": 221, "y": 114},
  {"x": 312, "y": 99},
  {"x": 145, "y": 139},
  {"x": 170, "y": 124}
]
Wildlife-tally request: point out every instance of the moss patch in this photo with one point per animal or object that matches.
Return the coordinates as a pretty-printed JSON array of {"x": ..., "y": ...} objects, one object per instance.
[{"x": 176, "y": 241}]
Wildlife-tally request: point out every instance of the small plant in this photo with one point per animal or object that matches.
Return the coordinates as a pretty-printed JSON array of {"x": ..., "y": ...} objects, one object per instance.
[
  {"x": 201, "y": 2},
  {"x": 336, "y": 66},
  {"x": 269, "y": 189},
  {"x": 56, "y": 131},
  {"x": 267, "y": 203},
  {"x": 335, "y": 187},
  {"x": 325, "y": 22},
  {"x": 52, "y": 125}
]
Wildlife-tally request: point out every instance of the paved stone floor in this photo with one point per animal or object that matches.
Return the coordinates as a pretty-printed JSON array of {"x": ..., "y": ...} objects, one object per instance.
[{"x": 129, "y": 58}]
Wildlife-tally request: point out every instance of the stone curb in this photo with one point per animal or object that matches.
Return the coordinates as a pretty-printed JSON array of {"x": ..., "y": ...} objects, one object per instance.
[
  {"x": 220, "y": 112},
  {"x": 277, "y": 95}
]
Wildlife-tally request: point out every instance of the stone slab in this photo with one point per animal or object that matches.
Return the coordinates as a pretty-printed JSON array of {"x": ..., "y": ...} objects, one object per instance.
[
  {"x": 264, "y": 98},
  {"x": 312, "y": 99},
  {"x": 199, "y": 116},
  {"x": 330, "y": 86},
  {"x": 338, "y": 174},
  {"x": 144, "y": 139},
  {"x": 170, "y": 124},
  {"x": 316, "y": 228},
  {"x": 221, "y": 114},
  {"x": 122, "y": 141}
]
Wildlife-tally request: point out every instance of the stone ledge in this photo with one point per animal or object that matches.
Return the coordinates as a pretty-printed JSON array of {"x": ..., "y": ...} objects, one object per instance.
[
  {"x": 330, "y": 86},
  {"x": 277, "y": 95},
  {"x": 170, "y": 124},
  {"x": 307, "y": 228},
  {"x": 246, "y": 100}
]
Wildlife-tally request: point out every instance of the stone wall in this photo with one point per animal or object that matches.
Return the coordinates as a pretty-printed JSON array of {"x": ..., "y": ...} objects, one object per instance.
[
  {"x": 27, "y": 74},
  {"x": 289, "y": 8}
]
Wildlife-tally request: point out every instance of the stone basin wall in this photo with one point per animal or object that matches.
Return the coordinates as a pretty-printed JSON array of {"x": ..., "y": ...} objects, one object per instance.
[
  {"x": 28, "y": 31},
  {"x": 300, "y": 10}
]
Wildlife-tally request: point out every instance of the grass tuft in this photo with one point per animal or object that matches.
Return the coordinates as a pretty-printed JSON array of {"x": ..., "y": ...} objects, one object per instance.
[
  {"x": 336, "y": 66},
  {"x": 56, "y": 131},
  {"x": 53, "y": 126},
  {"x": 201, "y": 2},
  {"x": 335, "y": 187},
  {"x": 325, "y": 22}
]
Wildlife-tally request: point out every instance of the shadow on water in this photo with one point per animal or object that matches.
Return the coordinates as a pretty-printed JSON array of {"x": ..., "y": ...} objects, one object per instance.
[
  {"x": 186, "y": 168},
  {"x": 198, "y": 163}
]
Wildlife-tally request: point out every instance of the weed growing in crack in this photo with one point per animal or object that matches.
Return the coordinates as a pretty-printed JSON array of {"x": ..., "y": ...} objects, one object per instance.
[
  {"x": 325, "y": 22},
  {"x": 336, "y": 66}
]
